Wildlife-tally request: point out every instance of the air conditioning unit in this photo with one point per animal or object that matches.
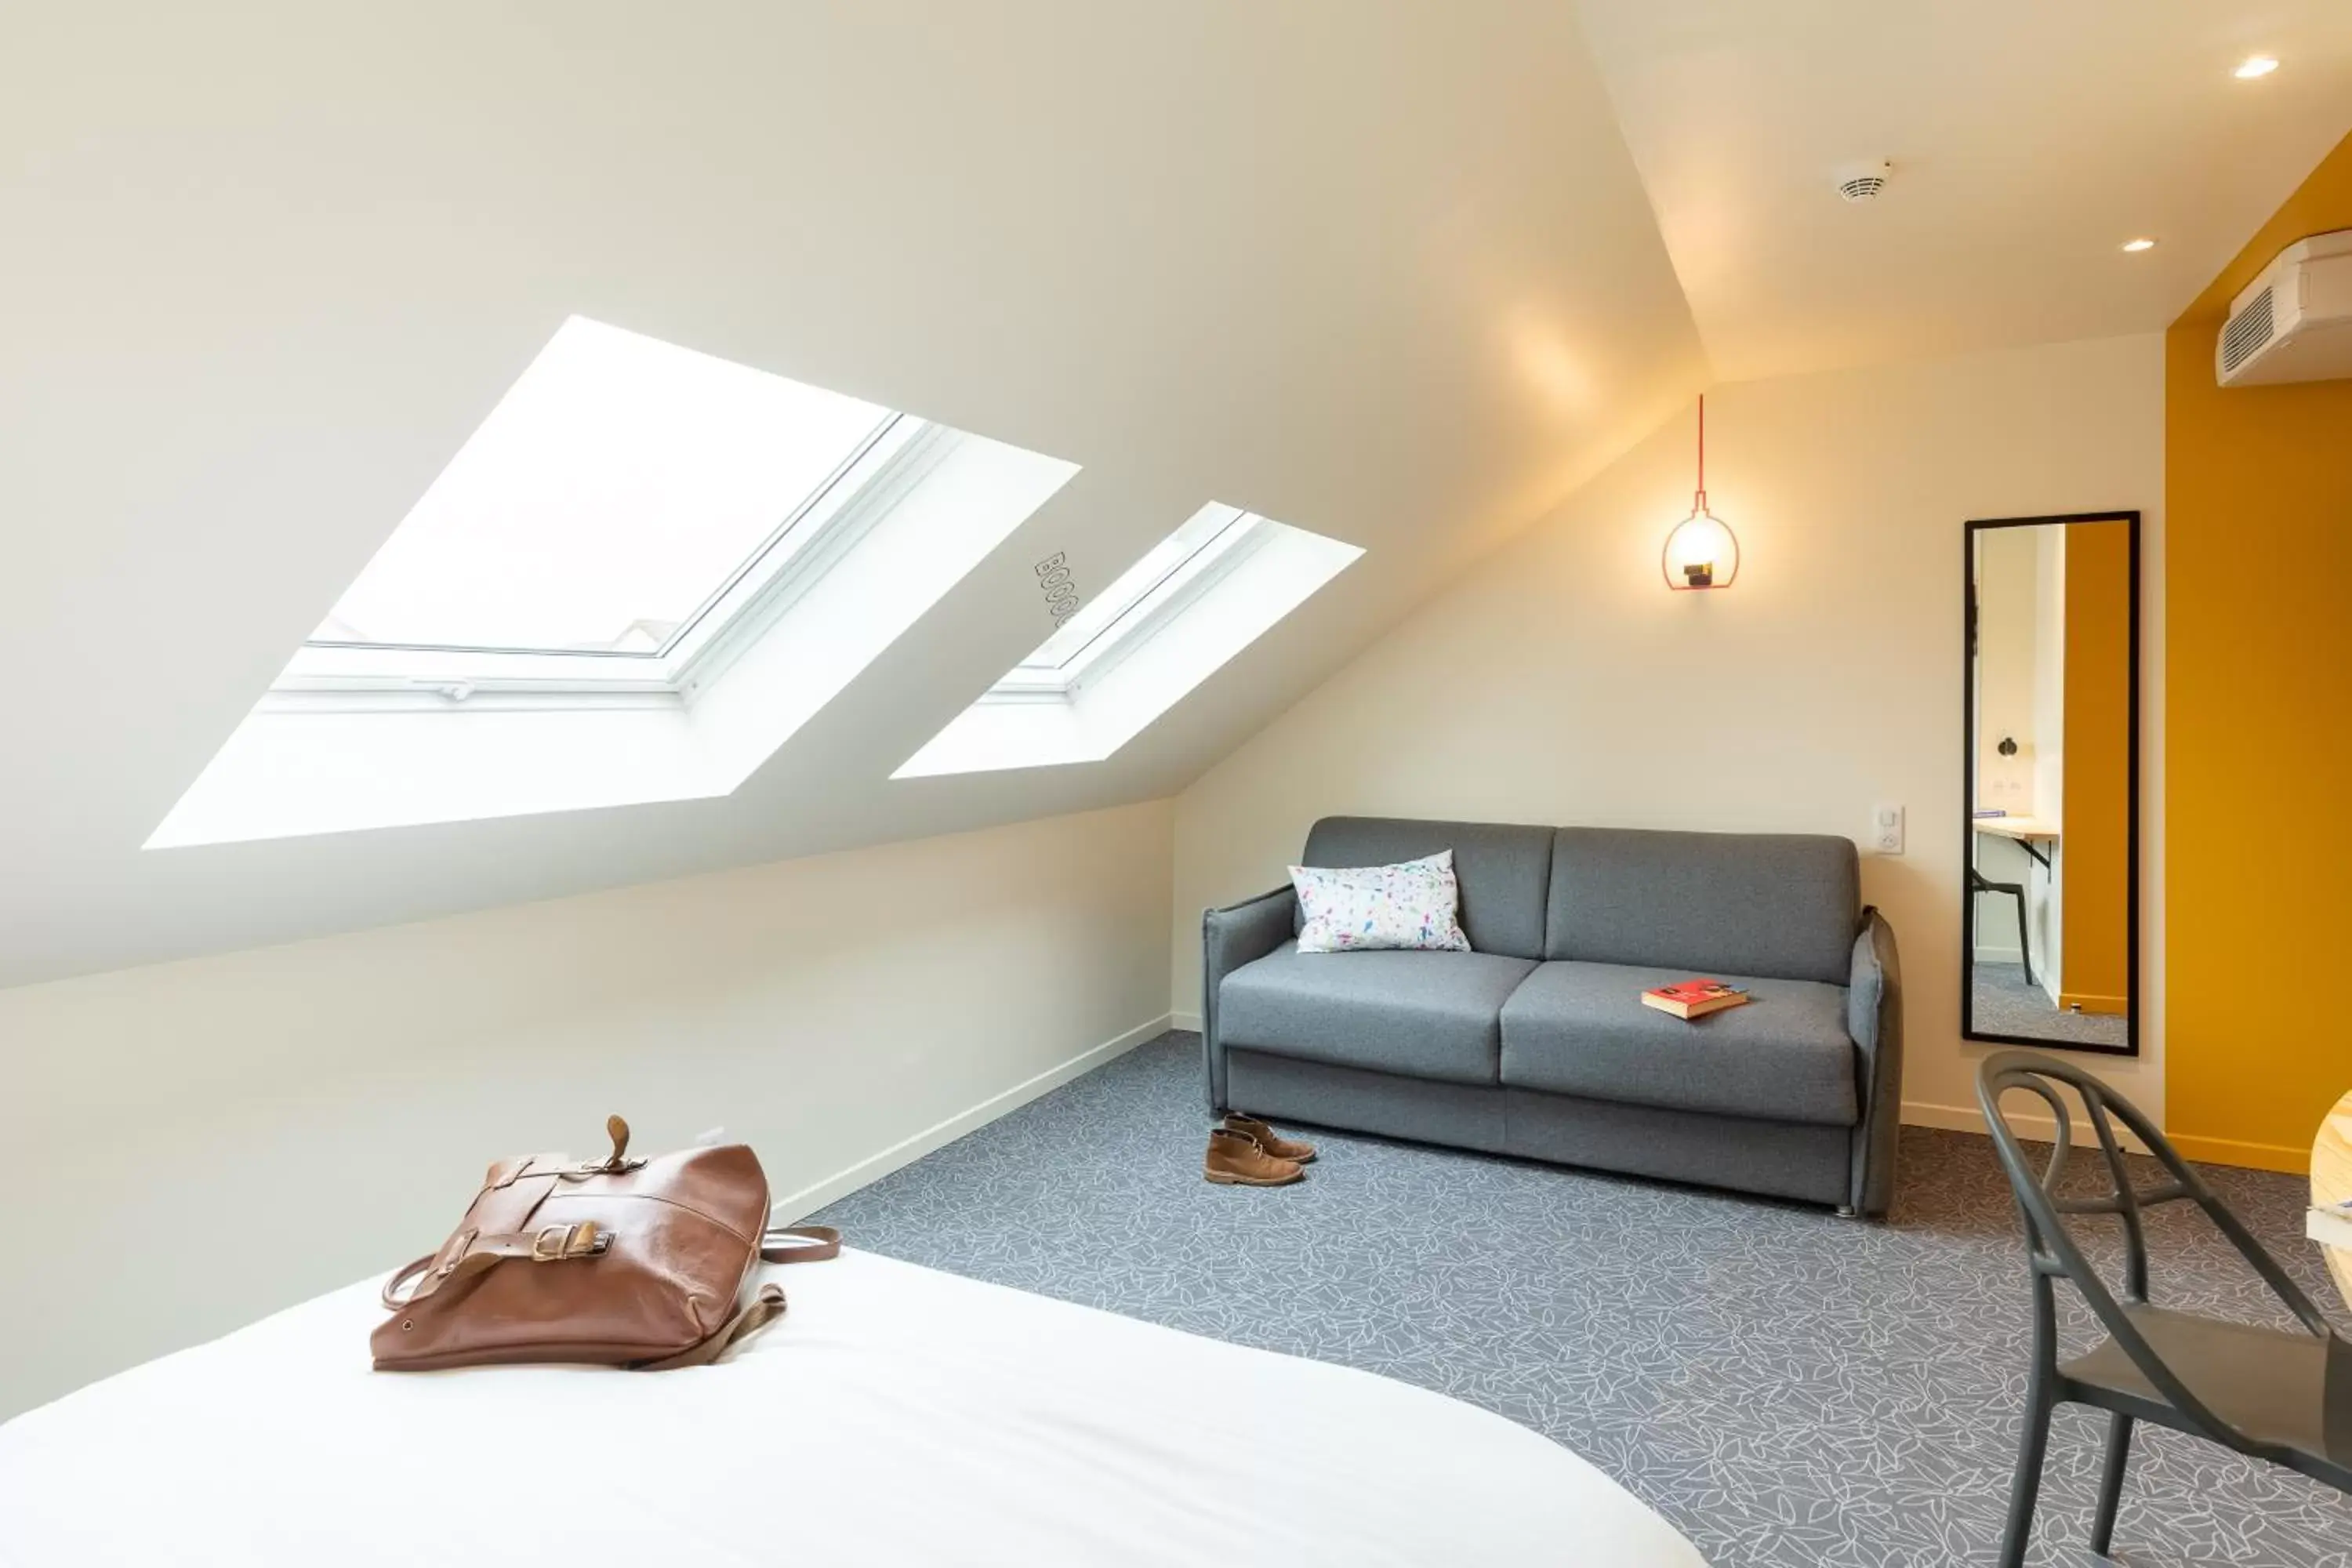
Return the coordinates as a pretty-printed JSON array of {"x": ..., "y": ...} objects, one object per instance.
[{"x": 2294, "y": 322}]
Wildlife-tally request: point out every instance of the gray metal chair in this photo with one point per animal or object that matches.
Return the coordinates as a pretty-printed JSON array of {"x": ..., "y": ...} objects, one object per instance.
[
  {"x": 1977, "y": 884},
  {"x": 2279, "y": 1395}
]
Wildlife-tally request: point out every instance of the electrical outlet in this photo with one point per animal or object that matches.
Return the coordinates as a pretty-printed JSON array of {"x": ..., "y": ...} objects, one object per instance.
[
  {"x": 1886, "y": 829},
  {"x": 710, "y": 1138}
]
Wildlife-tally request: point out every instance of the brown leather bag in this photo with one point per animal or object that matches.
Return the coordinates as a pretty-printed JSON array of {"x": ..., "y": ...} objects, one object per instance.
[{"x": 627, "y": 1261}]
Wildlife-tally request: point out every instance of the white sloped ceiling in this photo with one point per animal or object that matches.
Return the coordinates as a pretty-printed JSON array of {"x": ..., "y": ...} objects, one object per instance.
[
  {"x": 2029, "y": 142},
  {"x": 1383, "y": 272}
]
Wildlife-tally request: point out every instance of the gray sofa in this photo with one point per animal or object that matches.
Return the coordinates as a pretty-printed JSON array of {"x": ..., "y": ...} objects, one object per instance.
[{"x": 1536, "y": 1043}]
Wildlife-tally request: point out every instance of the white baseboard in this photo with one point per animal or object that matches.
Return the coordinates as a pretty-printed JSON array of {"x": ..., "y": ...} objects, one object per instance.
[
  {"x": 1185, "y": 1021},
  {"x": 2034, "y": 1126},
  {"x": 792, "y": 1206},
  {"x": 1962, "y": 1118}
]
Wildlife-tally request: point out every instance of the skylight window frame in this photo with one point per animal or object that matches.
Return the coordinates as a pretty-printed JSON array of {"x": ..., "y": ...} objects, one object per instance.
[
  {"x": 1171, "y": 637},
  {"x": 331, "y": 676},
  {"x": 1144, "y": 614}
]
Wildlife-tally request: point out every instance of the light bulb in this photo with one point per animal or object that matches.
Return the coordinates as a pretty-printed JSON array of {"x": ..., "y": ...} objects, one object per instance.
[{"x": 1701, "y": 552}]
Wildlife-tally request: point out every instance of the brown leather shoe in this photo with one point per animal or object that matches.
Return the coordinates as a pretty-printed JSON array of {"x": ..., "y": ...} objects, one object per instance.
[
  {"x": 1235, "y": 1160},
  {"x": 1270, "y": 1140}
]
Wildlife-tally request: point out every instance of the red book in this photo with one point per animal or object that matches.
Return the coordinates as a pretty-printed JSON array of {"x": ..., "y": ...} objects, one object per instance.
[{"x": 1693, "y": 998}]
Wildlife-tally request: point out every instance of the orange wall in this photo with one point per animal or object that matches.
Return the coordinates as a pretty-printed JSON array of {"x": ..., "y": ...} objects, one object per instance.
[
  {"x": 2258, "y": 748},
  {"x": 2095, "y": 964}
]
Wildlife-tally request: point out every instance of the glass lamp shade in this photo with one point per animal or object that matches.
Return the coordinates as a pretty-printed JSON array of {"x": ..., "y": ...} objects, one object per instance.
[{"x": 1701, "y": 552}]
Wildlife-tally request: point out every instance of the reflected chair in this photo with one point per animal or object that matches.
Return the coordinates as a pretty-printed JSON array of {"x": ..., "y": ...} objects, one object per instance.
[
  {"x": 1977, "y": 884},
  {"x": 2279, "y": 1395}
]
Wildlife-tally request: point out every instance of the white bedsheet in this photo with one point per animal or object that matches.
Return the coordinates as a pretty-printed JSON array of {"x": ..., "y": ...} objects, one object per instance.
[{"x": 897, "y": 1416}]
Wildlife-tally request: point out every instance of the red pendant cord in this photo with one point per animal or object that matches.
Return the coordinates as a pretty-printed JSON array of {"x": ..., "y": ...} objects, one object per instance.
[{"x": 1701, "y": 451}]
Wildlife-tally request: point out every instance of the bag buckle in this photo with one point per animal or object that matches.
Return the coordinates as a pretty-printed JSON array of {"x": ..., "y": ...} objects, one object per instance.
[{"x": 561, "y": 1243}]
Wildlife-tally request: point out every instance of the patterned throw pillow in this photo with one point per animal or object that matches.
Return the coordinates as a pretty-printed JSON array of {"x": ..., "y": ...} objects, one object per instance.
[{"x": 1351, "y": 908}]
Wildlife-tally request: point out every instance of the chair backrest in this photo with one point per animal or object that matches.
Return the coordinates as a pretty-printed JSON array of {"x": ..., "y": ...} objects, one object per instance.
[
  {"x": 2050, "y": 1245},
  {"x": 1781, "y": 906},
  {"x": 1503, "y": 870}
]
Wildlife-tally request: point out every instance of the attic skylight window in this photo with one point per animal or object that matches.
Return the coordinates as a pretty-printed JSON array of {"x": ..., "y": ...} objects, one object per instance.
[
  {"x": 1172, "y": 575},
  {"x": 623, "y": 504},
  {"x": 1165, "y": 625},
  {"x": 638, "y": 579}
]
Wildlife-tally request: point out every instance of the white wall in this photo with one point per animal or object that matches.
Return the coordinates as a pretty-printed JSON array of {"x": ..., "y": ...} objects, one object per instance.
[
  {"x": 2006, "y": 635},
  {"x": 1545, "y": 686},
  {"x": 2047, "y": 893},
  {"x": 2020, "y": 695},
  {"x": 2008, "y": 645},
  {"x": 201, "y": 1142}
]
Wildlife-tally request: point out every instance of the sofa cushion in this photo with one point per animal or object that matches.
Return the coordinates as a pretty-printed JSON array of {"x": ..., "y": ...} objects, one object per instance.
[
  {"x": 1581, "y": 1029},
  {"x": 1425, "y": 1014},
  {"x": 1780, "y": 904},
  {"x": 1503, "y": 870}
]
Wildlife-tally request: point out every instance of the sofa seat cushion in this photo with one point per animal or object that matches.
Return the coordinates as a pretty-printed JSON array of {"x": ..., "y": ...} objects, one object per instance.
[
  {"x": 1424, "y": 1015},
  {"x": 1581, "y": 1029}
]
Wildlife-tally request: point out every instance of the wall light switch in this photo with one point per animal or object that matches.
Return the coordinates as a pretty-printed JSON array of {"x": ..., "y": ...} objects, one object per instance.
[
  {"x": 710, "y": 1138},
  {"x": 1886, "y": 829}
]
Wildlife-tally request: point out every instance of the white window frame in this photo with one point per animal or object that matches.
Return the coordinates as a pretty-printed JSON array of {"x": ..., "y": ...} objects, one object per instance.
[
  {"x": 341, "y": 676},
  {"x": 1169, "y": 636},
  {"x": 1149, "y": 610}
]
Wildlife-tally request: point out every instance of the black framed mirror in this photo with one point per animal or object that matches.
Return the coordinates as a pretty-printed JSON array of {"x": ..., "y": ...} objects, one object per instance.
[{"x": 2049, "y": 886}]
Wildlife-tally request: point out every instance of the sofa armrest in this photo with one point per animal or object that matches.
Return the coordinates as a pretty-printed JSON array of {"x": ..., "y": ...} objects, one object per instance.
[
  {"x": 1231, "y": 937},
  {"x": 1874, "y": 1016}
]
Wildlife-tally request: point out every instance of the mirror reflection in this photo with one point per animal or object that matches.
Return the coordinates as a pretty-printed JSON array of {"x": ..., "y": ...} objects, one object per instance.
[{"x": 2049, "y": 945}]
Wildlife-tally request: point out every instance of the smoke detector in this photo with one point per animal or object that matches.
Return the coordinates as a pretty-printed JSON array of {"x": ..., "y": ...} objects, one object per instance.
[{"x": 1863, "y": 182}]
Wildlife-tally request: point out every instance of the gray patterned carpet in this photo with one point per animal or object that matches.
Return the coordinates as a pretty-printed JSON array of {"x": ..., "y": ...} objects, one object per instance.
[
  {"x": 1790, "y": 1388},
  {"x": 2005, "y": 1004}
]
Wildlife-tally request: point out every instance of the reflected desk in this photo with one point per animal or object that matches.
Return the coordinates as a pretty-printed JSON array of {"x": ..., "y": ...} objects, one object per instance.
[{"x": 2034, "y": 834}]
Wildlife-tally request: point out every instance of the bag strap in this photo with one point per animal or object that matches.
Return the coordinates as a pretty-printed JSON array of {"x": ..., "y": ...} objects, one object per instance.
[
  {"x": 800, "y": 1244},
  {"x": 469, "y": 1252},
  {"x": 749, "y": 1320},
  {"x": 789, "y": 1244},
  {"x": 392, "y": 1299}
]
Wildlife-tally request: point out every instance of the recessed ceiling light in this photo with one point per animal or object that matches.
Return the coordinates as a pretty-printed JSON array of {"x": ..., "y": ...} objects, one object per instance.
[
  {"x": 2255, "y": 66},
  {"x": 2143, "y": 243}
]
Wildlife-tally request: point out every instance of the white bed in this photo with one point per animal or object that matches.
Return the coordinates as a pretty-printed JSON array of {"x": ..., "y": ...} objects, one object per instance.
[{"x": 898, "y": 1417}]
